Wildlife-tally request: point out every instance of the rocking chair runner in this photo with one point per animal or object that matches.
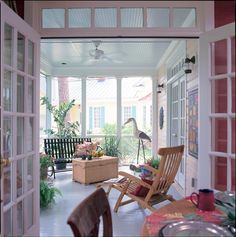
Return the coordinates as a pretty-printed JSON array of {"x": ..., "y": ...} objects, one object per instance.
[{"x": 162, "y": 180}]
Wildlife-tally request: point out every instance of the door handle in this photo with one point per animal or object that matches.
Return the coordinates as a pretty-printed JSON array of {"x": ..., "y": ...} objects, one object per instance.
[
  {"x": 4, "y": 162},
  {"x": 174, "y": 134}
]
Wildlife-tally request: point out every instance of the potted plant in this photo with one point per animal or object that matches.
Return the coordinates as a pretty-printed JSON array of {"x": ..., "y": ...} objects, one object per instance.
[
  {"x": 47, "y": 194},
  {"x": 45, "y": 162}
]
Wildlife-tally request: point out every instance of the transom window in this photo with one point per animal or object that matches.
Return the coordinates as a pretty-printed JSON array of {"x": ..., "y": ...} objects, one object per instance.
[{"x": 108, "y": 17}]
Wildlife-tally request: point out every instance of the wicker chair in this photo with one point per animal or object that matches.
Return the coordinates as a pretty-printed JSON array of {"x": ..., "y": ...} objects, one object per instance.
[
  {"x": 152, "y": 192},
  {"x": 85, "y": 218}
]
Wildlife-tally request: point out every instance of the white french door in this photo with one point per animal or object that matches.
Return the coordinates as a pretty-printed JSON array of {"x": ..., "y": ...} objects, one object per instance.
[
  {"x": 217, "y": 109},
  {"x": 176, "y": 97},
  {"x": 19, "y": 126}
]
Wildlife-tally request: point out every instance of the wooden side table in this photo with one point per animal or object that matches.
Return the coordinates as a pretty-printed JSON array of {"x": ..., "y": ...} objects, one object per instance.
[{"x": 95, "y": 170}]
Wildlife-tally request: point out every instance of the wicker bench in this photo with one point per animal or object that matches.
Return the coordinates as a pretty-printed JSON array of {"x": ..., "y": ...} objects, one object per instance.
[{"x": 62, "y": 149}]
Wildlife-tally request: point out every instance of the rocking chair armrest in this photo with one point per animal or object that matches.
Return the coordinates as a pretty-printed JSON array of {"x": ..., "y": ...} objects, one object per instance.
[
  {"x": 135, "y": 179},
  {"x": 151, "y": 169}
]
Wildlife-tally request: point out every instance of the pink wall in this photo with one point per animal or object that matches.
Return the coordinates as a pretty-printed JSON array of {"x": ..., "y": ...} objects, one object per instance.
[{"x": 224, "y": 12}]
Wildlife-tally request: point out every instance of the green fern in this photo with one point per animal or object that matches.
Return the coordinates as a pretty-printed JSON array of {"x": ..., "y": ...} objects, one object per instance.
[{"x": 47, "y": 194}]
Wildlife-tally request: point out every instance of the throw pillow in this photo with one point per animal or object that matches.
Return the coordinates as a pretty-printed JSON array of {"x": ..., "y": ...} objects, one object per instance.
[{"x": 142, "y": 191}]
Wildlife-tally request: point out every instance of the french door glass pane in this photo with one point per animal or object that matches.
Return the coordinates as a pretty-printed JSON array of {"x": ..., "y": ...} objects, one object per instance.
[
  {"x": 219, "y": 96},
  {"x": 233, "y": 178},
  {"x": 7, "y": 179},
  {"x": 8, "y": 44},
  {"x": 7, "y": 91},
  {"x": 30, "y": 99},
  {"x": 7, "y": 137},
  {"x": 20, "y": 219},
  {"x": 20, "y": 52},
  {"x": 219, "y": 57},
  {"x": 219, "y": 134},
  {"x": 220, "y": 174},
  {"x": 233, "y": 139},
  {"x": 29, "y": 173},
  {"x": 184, "y": 17},
  {"x": 30, "y": 134},
  {"x": 20, "y": 136},
  {"x": 30, "y": 210},
  {"x": 158, "y": 17},
  {"x": 233, "y": 95},
  {"x": 233, "y": 53},
  {"x": 30, "y": 57},
  {"x": 182, "y": 108},
  {"x": 20, "y": 93},
  {"x": 7, "y": 223},
  {"x": 19, "y": 178}
]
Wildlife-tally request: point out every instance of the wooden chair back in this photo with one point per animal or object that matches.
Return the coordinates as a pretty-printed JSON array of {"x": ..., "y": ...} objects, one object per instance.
[
  {"x": 85, "y": 218},
  {"x": 169, "y": 164}
]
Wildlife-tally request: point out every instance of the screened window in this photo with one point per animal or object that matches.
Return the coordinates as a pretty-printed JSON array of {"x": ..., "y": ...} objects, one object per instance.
[
  {"x": 127, "y": 113},
  {"x": 101, "y": 106},
  {"x": 79, "y": 18},
  {"x": 144, "y": 116},
  {"x": 131, "y": 17},
  {"x": 158, "y": 17},
  {"x": 184, "y": 17},
  {"x": 97, "y": 117},
  {"x": 53, "y": 18},
  {"x": 105, "y": 17}
]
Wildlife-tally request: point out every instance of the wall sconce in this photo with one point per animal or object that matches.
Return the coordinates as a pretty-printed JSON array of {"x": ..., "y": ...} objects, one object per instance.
[
  {"x": 186, "y": 66},
  {"x": 160, "y": 87}
]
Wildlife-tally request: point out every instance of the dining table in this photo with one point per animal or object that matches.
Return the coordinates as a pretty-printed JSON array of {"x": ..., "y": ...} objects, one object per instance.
[{"x": 176, "y": 211}]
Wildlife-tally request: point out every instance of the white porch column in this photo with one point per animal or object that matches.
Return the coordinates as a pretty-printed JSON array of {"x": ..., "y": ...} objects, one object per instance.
[
  {"x": 154, "y": 117},
  {"x": 49, "y": 95},
  {"x": 83, "y": 113},
  {"x": 119, "y": 106}
]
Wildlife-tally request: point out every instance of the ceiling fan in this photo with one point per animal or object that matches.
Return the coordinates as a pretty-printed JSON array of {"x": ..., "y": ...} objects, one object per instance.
[
  {"x": 96, "y": 53},
  {"x": 99, "y": 55}
]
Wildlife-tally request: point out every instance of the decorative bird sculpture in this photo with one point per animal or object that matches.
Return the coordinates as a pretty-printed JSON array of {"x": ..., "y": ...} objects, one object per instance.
[{"x": 140, "y": 135}]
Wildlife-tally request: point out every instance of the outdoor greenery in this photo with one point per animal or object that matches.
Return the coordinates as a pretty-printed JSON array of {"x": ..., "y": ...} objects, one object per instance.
[
  {"x": 47, "y": 194},
  {"x": 45, "y": 161},
  {"x": 128, "y": 146},
  {"x": 153, "y": 163},
  {"x": 64, "y": 129},
  {"x": 111, "y": 146}
]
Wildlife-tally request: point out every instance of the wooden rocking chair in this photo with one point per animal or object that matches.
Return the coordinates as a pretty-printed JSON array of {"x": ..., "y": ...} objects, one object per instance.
[{"x": 148, "y": 193}]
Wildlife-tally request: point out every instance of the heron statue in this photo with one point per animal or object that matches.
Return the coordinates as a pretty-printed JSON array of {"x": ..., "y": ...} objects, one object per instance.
[{"x": 140, "y": 135}]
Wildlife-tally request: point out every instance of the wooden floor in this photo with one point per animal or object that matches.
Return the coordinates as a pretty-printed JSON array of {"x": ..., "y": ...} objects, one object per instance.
[{"x": 127, "y": 222}]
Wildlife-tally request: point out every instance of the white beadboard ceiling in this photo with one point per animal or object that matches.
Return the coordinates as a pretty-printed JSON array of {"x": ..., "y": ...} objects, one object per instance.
[{"x": 67, "y": 57}]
